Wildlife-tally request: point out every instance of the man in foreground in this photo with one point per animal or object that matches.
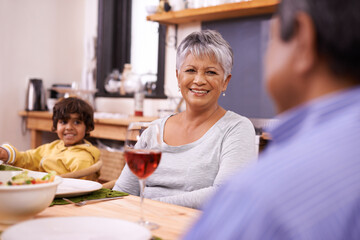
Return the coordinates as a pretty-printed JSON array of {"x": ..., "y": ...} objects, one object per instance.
[{"x": 306, "y": 184}]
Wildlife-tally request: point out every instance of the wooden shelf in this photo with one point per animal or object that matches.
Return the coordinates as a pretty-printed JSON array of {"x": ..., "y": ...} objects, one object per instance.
[{"x": 224, "y": 11}]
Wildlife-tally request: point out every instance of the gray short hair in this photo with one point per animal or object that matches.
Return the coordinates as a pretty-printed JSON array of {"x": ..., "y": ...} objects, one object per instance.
[
  {"x": 337, "y": 39},
  {"x": 206, "y": 43}
]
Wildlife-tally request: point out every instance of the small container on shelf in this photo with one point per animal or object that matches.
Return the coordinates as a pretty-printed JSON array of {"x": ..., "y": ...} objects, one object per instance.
[
  {"x": 124, "y": 77},
  {"x": 139, "y": 103},
  {"x": 177, "y": 5}
]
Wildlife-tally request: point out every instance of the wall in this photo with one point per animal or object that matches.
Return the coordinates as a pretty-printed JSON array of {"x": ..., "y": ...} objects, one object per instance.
[
  {"x": 39, "y": 38},
  {"x": 248, "y": 38}
]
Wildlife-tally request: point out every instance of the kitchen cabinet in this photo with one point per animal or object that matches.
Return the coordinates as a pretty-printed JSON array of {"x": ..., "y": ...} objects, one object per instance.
[{"x": 219, "y": 12}]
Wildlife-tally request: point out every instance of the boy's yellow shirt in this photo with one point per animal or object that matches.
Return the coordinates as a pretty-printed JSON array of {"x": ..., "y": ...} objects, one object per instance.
[{"x": 54, "y": 156}]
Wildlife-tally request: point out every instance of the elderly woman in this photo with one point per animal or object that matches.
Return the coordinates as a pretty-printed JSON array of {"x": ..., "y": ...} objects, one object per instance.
[{"x": 205, "y": 143}]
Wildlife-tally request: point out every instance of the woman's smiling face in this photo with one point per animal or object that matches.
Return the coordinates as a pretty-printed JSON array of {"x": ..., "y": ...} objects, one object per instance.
[{"x": 201, "y": 80}]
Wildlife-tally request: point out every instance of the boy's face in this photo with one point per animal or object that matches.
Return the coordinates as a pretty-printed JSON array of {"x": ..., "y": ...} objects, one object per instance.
[{"x": 71, "y": 131}]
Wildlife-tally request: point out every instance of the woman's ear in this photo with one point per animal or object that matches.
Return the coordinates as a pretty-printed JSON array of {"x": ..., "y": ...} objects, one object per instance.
[
  {"x": 226, "y": 82},
  {"x": 177, "y": 77}
]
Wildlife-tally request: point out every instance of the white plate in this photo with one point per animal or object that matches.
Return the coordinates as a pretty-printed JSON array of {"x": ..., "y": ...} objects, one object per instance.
[
  {"x": 71, "y": 187},
  {"x": 94, "y": 228}
]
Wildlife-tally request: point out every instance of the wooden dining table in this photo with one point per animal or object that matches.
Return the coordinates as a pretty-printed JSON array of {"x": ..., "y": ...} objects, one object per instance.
[{"x": 173, "y": 220}]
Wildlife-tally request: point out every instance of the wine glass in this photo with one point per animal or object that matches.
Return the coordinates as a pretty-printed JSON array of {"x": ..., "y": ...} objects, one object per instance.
[{"x": 143, "y": 157}]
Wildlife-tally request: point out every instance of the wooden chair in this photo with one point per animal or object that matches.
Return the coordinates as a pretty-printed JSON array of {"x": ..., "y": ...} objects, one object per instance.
[
  {"x": 110, "y": 184},
  {"x": 114, "y": 163},
  {"x": 90, "y": 173}
]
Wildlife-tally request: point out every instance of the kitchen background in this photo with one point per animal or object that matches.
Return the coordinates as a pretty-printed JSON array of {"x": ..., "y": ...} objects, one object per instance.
[{"x": 53, "y": 40}]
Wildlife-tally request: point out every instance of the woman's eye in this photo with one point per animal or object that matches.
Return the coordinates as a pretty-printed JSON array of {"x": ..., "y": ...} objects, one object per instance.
[
  {"x": 190, "y": 70},
  {"x": 211, "y": 72}
]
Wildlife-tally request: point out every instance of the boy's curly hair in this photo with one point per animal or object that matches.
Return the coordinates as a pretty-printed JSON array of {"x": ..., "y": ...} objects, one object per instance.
[{"x": 67, "y": 106}]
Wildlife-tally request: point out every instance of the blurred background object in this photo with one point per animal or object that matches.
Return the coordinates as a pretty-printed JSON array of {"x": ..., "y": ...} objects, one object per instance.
[
  {"x": 65, "y": 91},
  {"x": 35, "y": 96},
  {"x": 113, "y": 82}
]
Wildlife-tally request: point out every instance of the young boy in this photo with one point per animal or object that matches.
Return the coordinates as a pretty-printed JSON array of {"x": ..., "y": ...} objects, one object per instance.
[{"x": 72, "y": 121}]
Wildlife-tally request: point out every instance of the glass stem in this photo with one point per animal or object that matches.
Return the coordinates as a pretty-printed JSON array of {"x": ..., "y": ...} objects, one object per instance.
[{"x": 142, "y": 188}]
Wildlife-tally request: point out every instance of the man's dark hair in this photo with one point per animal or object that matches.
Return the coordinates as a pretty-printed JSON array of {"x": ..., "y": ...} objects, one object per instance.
[
  {"x": 67, "y": 106},
  {"x": 337, "y": 25}
]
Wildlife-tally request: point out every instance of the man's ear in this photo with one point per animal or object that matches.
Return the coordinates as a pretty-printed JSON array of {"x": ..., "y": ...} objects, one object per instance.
[{"x": 306, "y": 55}]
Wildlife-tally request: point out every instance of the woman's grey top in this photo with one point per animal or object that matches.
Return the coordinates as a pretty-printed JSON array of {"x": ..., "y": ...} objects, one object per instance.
[{"x": 188, "y": 174}]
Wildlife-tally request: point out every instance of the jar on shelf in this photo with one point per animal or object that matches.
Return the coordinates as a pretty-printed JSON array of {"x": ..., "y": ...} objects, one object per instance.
[
  {"x": 113, "y": 82},
  {"x": 177, "y": 5},
  {"x": 124, "y": 77}
]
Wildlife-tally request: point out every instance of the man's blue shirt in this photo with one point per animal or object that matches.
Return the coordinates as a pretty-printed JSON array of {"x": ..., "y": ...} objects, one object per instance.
[{"x": 306, "y": 184}]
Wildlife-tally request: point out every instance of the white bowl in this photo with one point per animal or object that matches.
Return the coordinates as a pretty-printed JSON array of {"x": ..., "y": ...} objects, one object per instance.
[{"x": 18, "y": 203}]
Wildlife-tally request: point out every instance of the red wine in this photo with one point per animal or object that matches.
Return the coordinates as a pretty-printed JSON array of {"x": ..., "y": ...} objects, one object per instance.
[{"x": 142, "y": 162}]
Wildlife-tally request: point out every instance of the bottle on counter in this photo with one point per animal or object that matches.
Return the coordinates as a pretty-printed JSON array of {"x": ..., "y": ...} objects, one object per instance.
[
  {"x": 124, "y": 76},
  {"x": 139, "y": 103},
  {"x": 133, "y": 85}
]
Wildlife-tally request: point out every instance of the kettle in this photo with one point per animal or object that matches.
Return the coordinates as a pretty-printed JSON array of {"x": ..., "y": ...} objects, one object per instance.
[{"x": 35, "y": 96}]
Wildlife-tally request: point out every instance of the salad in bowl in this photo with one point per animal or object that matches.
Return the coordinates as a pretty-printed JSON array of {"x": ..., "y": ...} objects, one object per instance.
[
  {"x": 23, "y": 194},
  {"x": 23, "y": 178}
]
